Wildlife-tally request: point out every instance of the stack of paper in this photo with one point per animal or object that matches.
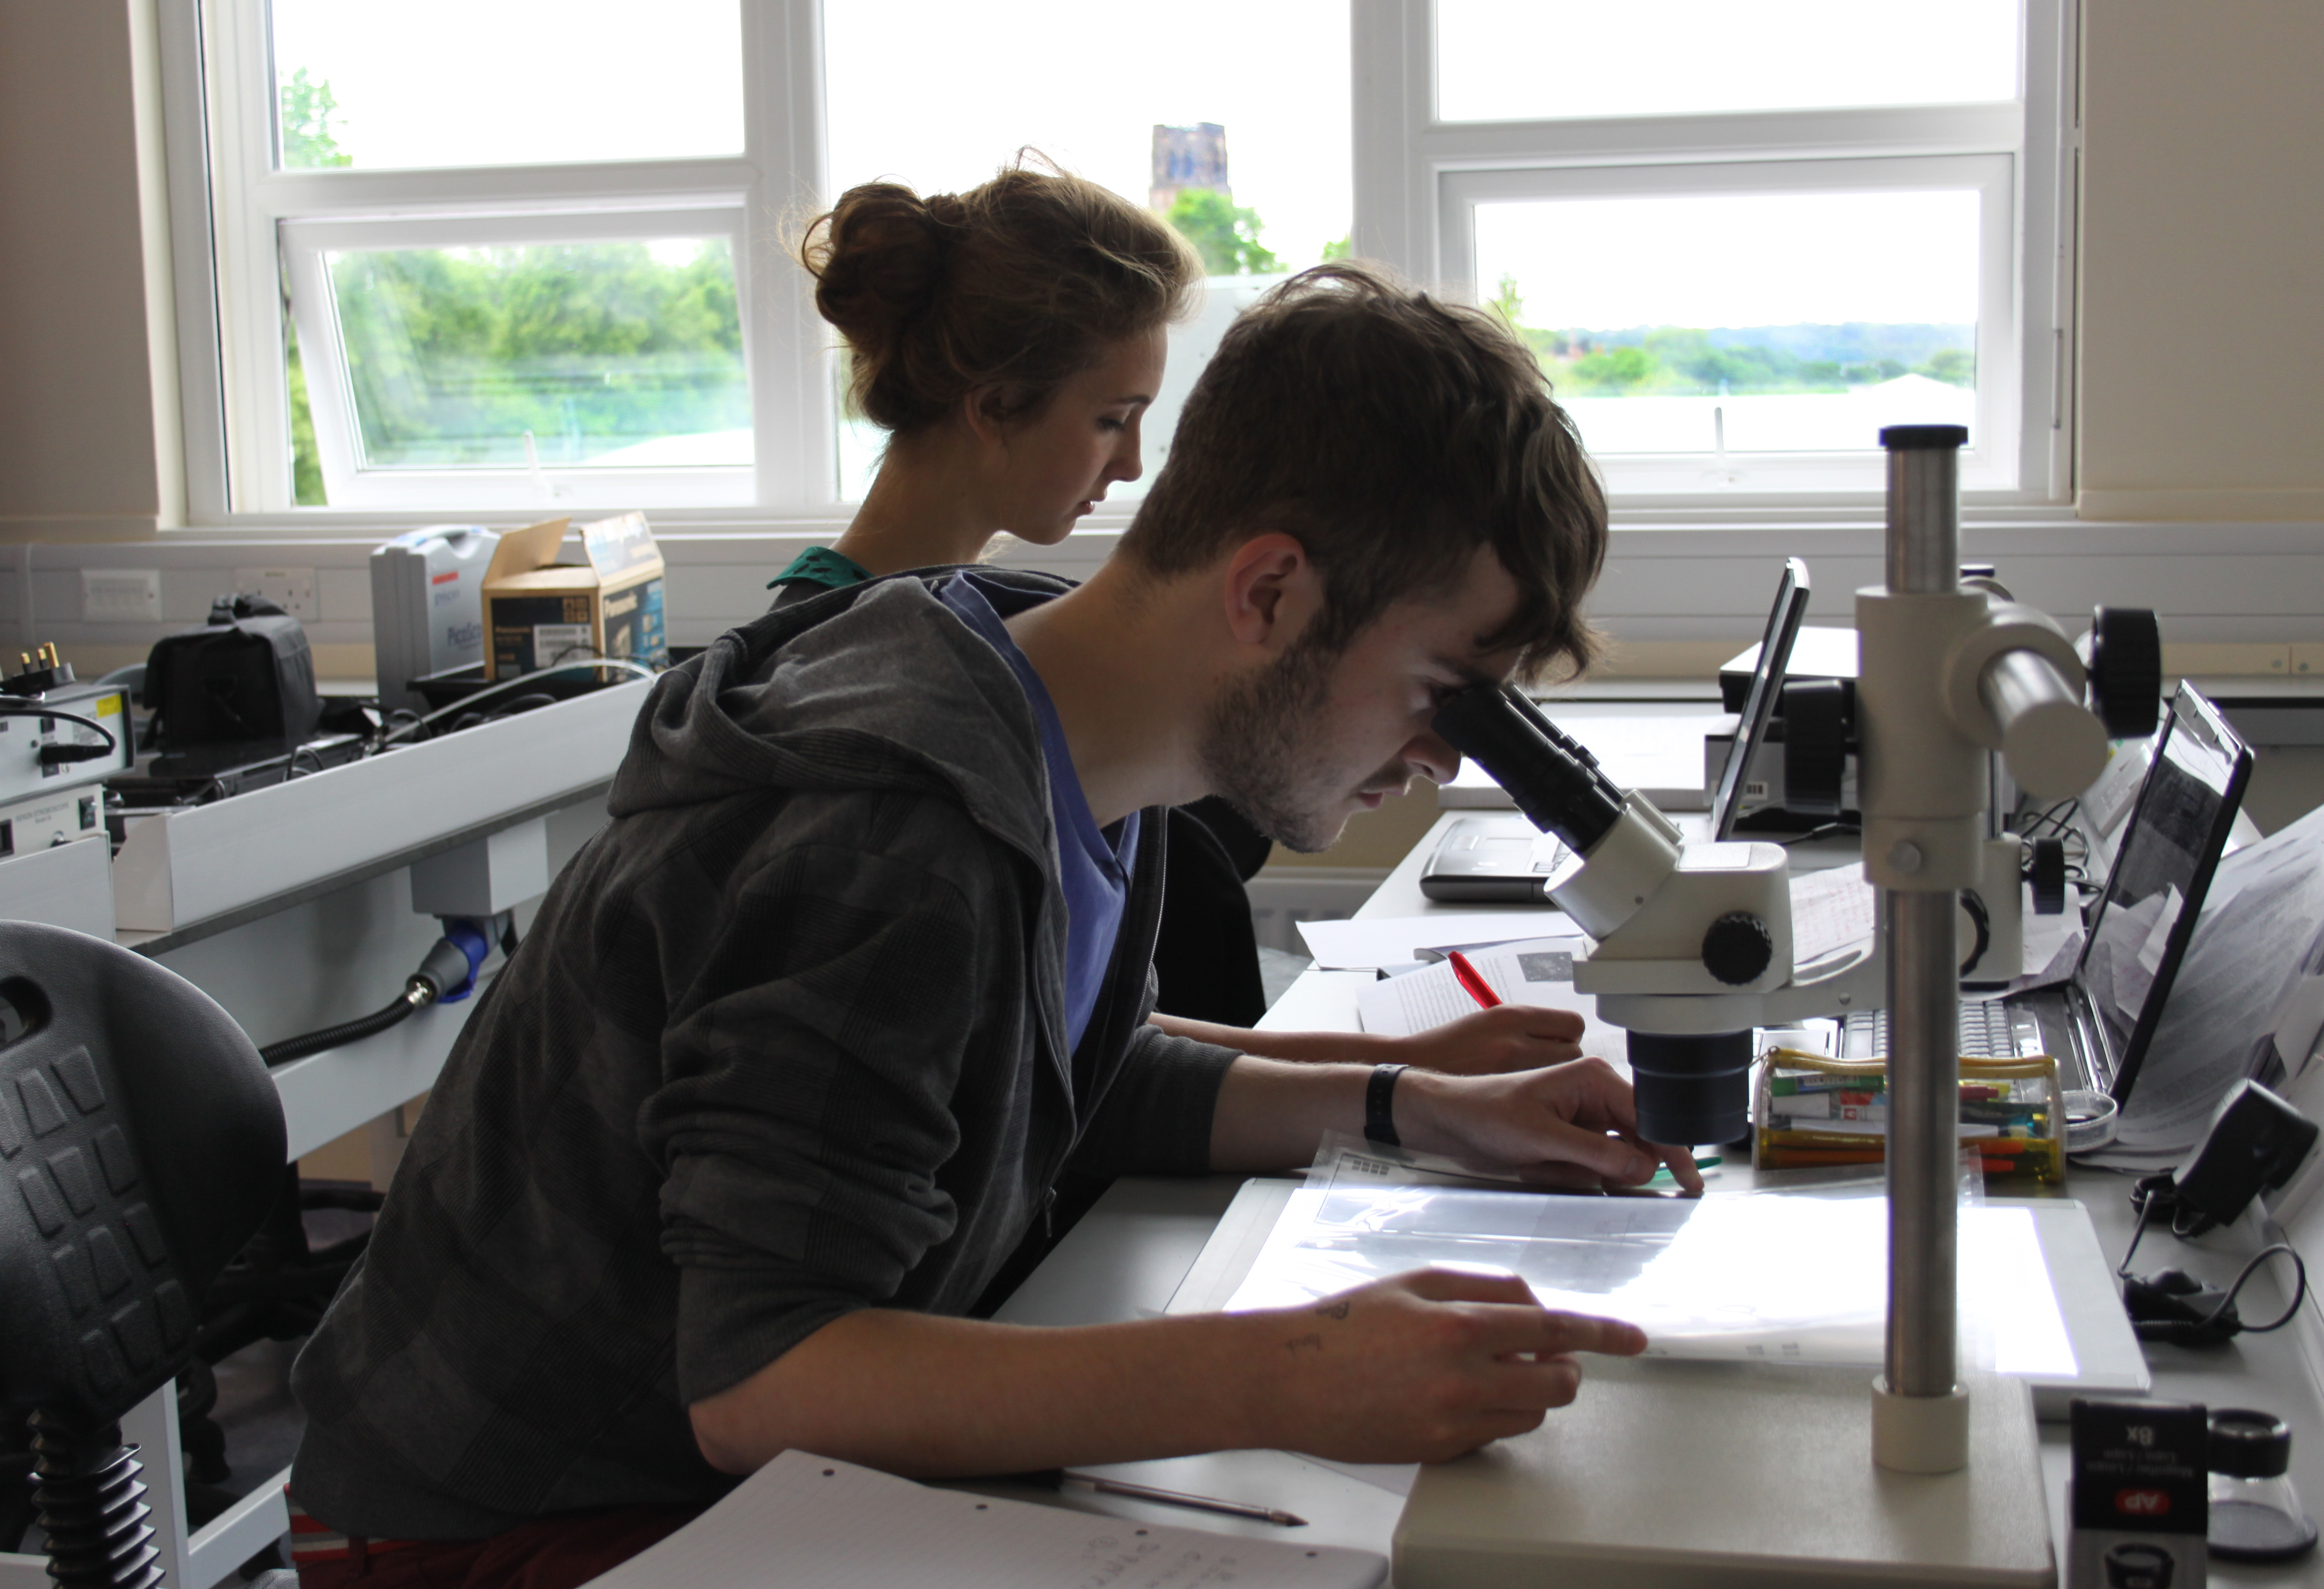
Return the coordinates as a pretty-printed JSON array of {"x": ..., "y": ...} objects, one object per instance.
[
  {"x": 2246, "y": 1001},
  {"x": 1533, "y": 971},
  {"x": 1753, "y": 1277},
  {"x": 808, "y": 1522},
  {"x": 1391, "y": 941}
]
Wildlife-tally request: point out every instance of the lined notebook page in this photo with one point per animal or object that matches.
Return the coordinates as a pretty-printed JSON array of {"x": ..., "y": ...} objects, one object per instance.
[{"x": 809, "y": 1522}]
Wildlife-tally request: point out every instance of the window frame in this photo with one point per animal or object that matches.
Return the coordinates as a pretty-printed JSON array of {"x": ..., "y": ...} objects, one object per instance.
[
  {"x": 1461, "y": 192},
  {"x": 1416, "y": 172},
  {"x": 1412, "y": 173},
  {"x": 237, "y": 219},
  {"x": 315, "y": 310}
]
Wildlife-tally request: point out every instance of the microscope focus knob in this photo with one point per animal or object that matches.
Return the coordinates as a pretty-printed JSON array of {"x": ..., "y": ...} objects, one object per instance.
[
  {"x": 1737, "y": 948},
  {"x": 2125, "y": 668},
  {"x": 1817, "y": 712}
]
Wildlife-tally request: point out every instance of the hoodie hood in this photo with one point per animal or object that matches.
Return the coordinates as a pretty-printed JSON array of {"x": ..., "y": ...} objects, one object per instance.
[{"x": 876, "y": 686}]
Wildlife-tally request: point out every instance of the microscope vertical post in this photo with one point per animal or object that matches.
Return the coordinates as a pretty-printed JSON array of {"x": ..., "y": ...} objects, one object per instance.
[
  {"x": 1924, "y": 783},
  {"x": 1924, "y": 997}
]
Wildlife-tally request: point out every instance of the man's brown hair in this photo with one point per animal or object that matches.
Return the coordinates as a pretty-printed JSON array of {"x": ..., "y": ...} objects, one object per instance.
[{"x": 1391, "y": 434}]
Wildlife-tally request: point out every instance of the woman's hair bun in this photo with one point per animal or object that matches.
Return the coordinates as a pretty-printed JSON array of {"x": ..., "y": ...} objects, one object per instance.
[
  {"x": 1011, "y": 286},
  {"x": 878, "y": 260}
]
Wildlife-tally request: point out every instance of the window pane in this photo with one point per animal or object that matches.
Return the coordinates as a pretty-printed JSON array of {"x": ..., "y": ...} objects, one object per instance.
[
  {"x": 1758, "y": 322},
  {"x": 609, "y": 355},
  {"x": 1214, "y": 96},
  {"x": 506, "y": 82},
  {"x": 1541, "y": 60}
]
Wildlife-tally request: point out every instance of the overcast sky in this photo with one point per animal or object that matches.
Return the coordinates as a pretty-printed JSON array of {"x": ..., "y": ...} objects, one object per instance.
[
  {"x": 1736, "y": 260},
  {"x": 939, "y": 93},
  {"x": 1509, "y": 59}
]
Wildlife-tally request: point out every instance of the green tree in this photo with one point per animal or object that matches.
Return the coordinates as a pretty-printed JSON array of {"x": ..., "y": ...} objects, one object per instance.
[
  {"x": 1615, "y": 371},
  {"x": 1340, "y": 248},
  {"x": 306, "y": 109},
  {"x": 1506, "y": 304},
  {"x": 453, "y": 355},
  {"x": 1225, "y": 234},
  {"x": 1956, "y": 366},
  {"x": 306, "y": 463}
]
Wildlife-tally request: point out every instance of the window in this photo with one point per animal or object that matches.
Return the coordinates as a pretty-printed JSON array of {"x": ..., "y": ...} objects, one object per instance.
[
  {"x": 1742, "y": 239},
  {"x": 1230, "y": 119},
  {"x": 492, "y": 254}
]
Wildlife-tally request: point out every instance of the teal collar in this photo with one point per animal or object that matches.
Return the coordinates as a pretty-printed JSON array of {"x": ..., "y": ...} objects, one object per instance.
[{"x": 820, "y": 565}]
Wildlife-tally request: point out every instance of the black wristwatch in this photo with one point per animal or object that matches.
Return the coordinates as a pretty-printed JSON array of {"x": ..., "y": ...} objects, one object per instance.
[{"x": 1379, "y": 1105}]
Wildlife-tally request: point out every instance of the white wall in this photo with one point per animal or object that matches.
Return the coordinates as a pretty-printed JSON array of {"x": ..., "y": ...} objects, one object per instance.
[
  {"x": 2201, "y": 231},
  {"x": 85, "y": 337},
  {"x": 2202, "y": 260}
]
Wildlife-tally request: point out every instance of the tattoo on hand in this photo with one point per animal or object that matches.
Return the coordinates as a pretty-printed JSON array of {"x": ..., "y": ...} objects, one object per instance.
[
  {"x": 1312, "y": 1342},
  {"x": 1334, "y": 1309}
]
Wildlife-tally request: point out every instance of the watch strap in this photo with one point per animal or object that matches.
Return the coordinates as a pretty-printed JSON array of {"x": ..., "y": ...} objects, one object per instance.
[{"x": 1379, "y": 1105}]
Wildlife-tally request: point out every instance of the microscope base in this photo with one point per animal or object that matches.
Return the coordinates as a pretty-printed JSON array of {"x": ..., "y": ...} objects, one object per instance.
[{"x": 1665, "y": 1473}]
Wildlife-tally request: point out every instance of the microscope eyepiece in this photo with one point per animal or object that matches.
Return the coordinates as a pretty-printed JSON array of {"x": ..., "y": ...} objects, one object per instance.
[{"x": 1552, "y": 779}]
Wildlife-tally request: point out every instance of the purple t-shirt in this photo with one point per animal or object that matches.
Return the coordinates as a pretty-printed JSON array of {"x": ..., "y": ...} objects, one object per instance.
[{"x": 1092, "y": 862}]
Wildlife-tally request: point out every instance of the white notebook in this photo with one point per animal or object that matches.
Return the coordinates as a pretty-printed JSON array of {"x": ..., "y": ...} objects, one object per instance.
[{"x": 808, "y": 1522}]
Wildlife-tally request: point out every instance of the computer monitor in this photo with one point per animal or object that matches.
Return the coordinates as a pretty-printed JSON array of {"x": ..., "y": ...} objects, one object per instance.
[
  {"x": 2139, "y": 932},
  {"x": 1759, "y": 702}
]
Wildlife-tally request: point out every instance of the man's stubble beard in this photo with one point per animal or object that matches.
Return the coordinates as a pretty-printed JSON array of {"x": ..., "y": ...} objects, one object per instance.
[{"x": 1263, "y": 750}]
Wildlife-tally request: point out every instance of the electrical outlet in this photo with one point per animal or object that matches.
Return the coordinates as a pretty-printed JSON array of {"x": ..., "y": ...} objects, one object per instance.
[
  {"x": 121, "y": 595},
  {"x": 291, "y": 589}
]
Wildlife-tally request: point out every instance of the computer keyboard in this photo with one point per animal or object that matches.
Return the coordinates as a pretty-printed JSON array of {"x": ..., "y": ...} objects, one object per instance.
[{"x": 1986, "y": 1031}]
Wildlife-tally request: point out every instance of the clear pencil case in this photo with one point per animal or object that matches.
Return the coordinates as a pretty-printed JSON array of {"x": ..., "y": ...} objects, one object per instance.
[{"x": 1808, "y": 1111}]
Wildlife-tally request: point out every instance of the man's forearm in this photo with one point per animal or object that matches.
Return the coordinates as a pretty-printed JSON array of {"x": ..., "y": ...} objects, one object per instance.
[
  {"x": 1270, "y": 1113},
  {"x": 1306, "y": 1048},
  {"x": 932, "y": 1397}
]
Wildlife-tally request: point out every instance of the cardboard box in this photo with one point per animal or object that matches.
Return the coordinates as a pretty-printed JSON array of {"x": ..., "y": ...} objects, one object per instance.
[{"x": 539, "y": 611}]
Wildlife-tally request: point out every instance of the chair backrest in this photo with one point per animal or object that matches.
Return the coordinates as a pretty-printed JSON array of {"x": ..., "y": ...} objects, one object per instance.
[{"x": 141, "y": 1143}]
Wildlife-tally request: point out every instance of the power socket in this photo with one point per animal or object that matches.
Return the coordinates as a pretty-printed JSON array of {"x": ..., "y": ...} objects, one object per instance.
[
  {"x": 291, "y": 589},
  {"x": 121, "y": 595}
]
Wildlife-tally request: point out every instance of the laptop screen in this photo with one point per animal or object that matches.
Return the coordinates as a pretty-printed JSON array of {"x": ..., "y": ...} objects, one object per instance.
[
  {"x": 1759, "y": 704},
  {"x": 2153, "y": 894}
]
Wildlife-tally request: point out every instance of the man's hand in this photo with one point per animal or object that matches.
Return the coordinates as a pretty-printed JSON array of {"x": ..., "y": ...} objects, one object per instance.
[
  {"x": 1427, "y": 1365},
  {"x": 1491, "y": 1042},
  {"x": 1572, "y": 1124}
]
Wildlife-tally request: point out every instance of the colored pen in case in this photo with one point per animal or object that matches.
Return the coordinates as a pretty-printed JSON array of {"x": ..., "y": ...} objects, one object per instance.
[{"x": 1471, "y": 978}]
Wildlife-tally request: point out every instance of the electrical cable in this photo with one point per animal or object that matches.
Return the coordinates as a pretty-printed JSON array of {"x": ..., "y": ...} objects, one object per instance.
[
  {"x": 2147, "y": 1207},
  {"x": 447, "y": 973},
  {"x": 413, "y": 998},
  {"x": 2220, "y": 1322},
  {"x": 2298, "y": 1290},
  {"x": 1828, "y": 830},
  {"x": 13, "y": 708},
  {"x": 467, "y": 703}
]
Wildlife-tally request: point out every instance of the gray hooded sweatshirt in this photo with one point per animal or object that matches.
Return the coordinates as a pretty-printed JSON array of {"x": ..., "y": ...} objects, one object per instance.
[{"x": 785, "y": 1041}]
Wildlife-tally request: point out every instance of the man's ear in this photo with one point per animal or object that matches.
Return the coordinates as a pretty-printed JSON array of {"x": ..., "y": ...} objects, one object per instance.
[{"x": 1270, "y": 591}]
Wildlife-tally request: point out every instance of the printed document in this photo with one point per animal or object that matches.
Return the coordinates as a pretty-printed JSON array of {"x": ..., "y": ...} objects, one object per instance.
[{"x": 809, "y": 1522}]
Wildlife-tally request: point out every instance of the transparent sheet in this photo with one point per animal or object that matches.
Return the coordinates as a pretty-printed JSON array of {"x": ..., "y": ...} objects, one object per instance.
[{"x": 1793, "y": 1276}]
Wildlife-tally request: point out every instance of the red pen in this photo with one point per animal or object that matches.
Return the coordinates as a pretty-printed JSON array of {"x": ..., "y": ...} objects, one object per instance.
[{"x": 1474, "y": 980}]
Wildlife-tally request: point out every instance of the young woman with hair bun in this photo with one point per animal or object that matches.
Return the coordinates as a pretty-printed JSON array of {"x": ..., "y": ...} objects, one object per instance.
[{"x": 1009, "y": 340}]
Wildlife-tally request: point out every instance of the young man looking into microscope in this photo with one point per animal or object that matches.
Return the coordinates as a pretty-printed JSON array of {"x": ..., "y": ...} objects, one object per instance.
[{"x": 800, "y": 1042}]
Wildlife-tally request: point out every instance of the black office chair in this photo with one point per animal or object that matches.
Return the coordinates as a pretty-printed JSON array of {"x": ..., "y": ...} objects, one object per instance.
[{"x": 144, "y": 1142}]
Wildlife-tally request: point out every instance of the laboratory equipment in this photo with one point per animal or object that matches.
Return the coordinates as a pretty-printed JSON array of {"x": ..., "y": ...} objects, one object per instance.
[
  {"x": 1691, "y": 950},
  {"x": 2255, "y": 1514},
  {"x": 428, "y": 607}
]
